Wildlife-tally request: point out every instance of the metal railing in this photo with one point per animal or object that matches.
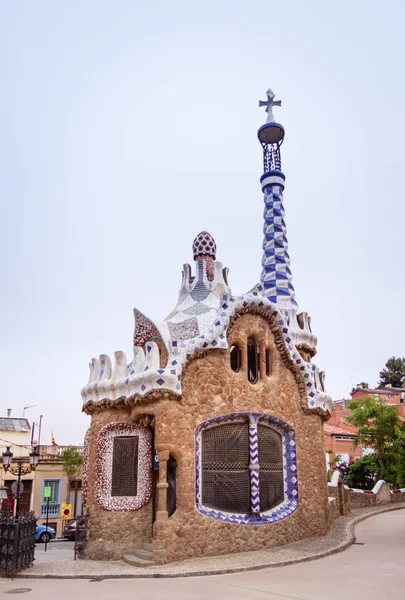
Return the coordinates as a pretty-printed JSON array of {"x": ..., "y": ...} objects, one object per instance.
[
  {"x": 54, "y": 510},
  {"x": 17, "y": 543}
]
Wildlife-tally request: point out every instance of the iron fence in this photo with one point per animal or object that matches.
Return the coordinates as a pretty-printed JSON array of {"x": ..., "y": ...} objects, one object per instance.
[
  {"x": 17, "y": 543},
  {"x": 81, "y": 532}
]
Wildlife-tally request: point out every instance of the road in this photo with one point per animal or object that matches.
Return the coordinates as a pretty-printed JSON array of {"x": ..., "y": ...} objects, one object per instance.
[
  {"x": 54, "y": 551},
  {"x": 372, "y": 569}
]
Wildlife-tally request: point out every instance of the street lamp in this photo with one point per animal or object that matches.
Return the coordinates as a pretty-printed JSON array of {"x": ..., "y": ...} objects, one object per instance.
[{"x": 20, "y": 471}]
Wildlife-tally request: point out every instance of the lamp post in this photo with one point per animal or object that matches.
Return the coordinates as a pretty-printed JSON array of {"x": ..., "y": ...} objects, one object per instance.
[{"x": 20, "y": 470}]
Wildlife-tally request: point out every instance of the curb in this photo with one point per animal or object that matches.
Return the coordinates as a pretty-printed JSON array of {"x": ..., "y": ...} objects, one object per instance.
[{"x": 350, "y": 538}]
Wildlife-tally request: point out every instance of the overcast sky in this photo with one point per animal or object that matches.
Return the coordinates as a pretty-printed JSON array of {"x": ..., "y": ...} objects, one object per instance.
[{"x": 127, "y": 127}]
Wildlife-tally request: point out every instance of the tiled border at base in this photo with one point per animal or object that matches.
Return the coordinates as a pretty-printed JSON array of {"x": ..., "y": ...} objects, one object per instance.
[{"x": 343, "y": 525}]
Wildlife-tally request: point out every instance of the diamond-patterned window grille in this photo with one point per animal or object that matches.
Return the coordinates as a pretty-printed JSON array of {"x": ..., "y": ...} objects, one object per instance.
[{"x": 124, "y": 481}]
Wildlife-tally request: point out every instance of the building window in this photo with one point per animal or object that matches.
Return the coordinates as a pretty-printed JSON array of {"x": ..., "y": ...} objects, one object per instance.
[
  {"x": 54, "y": 485},
  {"x": 124, "y": 480},
  {"x": 268, "y": 362},
  {"x": 124, "y": 466},
  {"x": 53, "y": 505},
  {"x": 225, "y": 466},
  {"x": 253, "y": 360},
  {"x": 236, "y": 360},
  {"x": 230, "y": 450},
  {"x": 171, "y": 481},
  {"x": 75, "y": 497}
]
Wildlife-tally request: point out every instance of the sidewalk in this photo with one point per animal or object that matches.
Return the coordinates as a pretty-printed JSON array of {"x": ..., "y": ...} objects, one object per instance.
[{"x": 340, "y": 536}]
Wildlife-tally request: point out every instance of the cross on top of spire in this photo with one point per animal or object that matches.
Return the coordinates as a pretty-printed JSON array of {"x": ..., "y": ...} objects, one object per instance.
[{"x": 269, "y": 103}]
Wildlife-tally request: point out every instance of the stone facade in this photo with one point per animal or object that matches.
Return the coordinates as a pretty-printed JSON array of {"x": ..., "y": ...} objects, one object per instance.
[
  {"x": 112, "y": 533},
  {"x": 210, "y": 389}
]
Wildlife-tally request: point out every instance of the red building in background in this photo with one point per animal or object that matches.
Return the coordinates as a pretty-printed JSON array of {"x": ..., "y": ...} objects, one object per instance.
[{"x": 389, "y": 395}]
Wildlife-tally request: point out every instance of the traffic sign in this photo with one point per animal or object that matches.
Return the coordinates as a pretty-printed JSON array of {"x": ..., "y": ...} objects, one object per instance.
[
  {"x": 17, "y": 488},
  {"x": 66, "y": 511},
  {"x": 47, "y": 491}
]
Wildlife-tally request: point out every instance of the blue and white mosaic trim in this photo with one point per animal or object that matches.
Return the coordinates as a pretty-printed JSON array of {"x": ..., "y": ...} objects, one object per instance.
[
  {"x": 107, "y": 384},
  {"x": 276, "y": 276},
  {"x": 290, "y": 503}
]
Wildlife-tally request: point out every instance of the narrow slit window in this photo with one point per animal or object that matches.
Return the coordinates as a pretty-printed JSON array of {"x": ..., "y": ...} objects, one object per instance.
[
  {"x": 236, "y": 358},
  {"x": 253, "y": 360},
  {"x": 268, "y": 362}
]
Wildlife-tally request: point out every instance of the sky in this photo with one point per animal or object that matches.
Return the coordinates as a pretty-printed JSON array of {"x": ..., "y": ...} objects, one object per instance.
[{"x": 127, "y": 127}]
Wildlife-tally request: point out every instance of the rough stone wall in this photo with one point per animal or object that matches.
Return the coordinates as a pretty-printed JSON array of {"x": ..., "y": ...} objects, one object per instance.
[
  {"x": 210, "y": 389},
  {"x": 112, "y": 533},
  {"x": 398, "y": 496},
  {"x": 380, "y": 495}
]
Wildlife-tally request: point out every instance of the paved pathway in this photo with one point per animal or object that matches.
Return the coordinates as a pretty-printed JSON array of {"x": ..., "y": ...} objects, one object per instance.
[
  {"x": 373, "y": 568},
  {"x": 55, "y": 551}
]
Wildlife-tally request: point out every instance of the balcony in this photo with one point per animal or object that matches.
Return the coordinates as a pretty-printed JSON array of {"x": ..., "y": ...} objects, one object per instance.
[{"x": 54, "y": 510}]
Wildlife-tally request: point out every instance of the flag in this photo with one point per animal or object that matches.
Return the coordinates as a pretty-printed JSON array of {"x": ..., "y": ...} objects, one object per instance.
[{"x": 53, "y": 439}]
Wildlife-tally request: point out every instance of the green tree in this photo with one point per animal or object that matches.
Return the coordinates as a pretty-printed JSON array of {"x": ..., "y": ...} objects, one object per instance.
[
  {"x": 394, "y": 373},
  {"x": 376, "y": 428},
  {"x": 362, "y": 473},
  {"x": 396, "y": 458},
  {"x": 72, "y": 462}
]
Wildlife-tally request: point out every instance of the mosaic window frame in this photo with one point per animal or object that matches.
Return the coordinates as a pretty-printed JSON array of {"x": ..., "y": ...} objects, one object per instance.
[
  {"x": 104, "y": 465},
  {"x": 290, "y": 502}
]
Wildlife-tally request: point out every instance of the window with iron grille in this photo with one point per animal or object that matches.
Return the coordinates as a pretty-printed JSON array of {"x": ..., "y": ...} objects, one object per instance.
[
  {"x": 225, "y": 467},
  {"x": 124, "y": 480},
  {"x": 225, "y": 473}
]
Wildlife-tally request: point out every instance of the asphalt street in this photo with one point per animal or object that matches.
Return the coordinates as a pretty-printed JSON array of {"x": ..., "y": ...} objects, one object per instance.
[{"x": 54, "y": 551}]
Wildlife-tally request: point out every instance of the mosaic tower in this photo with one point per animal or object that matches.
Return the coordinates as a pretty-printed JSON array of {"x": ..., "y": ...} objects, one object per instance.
[{"x": 276, "y": 276}]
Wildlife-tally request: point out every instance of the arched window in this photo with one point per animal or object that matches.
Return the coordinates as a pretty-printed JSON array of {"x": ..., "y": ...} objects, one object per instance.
[
  {"x": 228, "y": 450},
  {"x": 253, "y": 360},
  {"x": 268, "y": 362},
  {"x": 236, "y": 358}
]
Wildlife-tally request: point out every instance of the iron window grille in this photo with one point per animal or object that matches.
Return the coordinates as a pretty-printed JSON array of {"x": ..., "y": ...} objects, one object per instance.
[{"x": 237, "y": 462}]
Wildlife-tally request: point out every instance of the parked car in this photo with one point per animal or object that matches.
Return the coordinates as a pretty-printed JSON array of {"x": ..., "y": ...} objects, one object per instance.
[
  {"x": 69, "y": 531},
  {"x": 42, "y": 534}
]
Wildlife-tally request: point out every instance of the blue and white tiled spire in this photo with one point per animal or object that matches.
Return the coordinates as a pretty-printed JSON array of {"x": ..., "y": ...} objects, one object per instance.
[{"x": 276, "y": 277}]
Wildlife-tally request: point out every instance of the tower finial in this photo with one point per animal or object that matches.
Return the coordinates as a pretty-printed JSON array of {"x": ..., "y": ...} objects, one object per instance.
[{"x": 269, "y": 103}]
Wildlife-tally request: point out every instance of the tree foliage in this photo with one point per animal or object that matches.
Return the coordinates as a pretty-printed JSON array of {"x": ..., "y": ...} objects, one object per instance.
[
  {"x": 377, "y": 426},
  {"x": 72, "y": 462},
  {"x": 394, "y": 373},
  {"x": 362, "y": 473}
]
